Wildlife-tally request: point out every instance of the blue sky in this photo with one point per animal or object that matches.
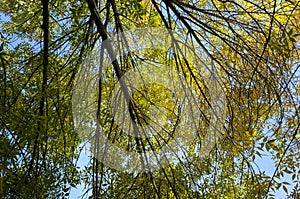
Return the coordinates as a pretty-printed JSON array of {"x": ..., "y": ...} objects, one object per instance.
[{"x": 265, "y": 164}]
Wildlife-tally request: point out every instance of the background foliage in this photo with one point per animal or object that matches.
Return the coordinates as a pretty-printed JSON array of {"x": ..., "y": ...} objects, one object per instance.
[{"x": 253, "y": 44}]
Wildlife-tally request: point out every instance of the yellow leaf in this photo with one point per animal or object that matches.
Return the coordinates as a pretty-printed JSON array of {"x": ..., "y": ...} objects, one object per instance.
[
  {"x": 247, "y": 133},
  {"x": 298, "y": 136}
]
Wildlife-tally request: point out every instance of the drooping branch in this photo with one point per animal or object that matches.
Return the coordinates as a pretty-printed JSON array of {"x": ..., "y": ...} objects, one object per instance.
[{"x": 45, "y": 27}]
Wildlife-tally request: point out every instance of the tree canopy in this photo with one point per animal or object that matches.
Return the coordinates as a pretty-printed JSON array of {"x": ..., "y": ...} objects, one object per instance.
[{"x": 173, "y": 98}]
